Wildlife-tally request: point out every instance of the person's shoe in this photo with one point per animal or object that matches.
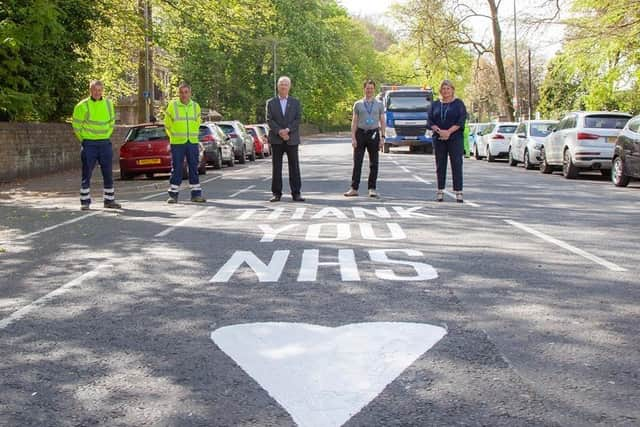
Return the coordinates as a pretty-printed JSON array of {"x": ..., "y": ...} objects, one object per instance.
[
  {"x": 84, "y": 207},
  {"x": 373, "y": 192},
  {"x": 275, "y": 198},
  {"x": 111, "y": 204},
  {"x": 198, "y": 199},
  {"x": 439, "y": 196},
  {"x": 459, "y": 197},
  {"x": 351, "y": 193},
  {"x": 297, "y": 198},
  {"x": 172, "y": 200}
]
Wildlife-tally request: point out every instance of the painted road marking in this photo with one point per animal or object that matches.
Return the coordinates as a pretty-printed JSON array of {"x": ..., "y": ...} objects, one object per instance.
[
  {"x": 151, "y": 196},
  {"x": 60, "y": 291},
  {"x": 244, "y": 190},
  {"x": 183, "y": 222},
  {"x": 611, "y": 266},
  {"x": 417, "y": 178},
  {"x": 324, "y": 376},
  {"x": 405, "y": 169},
  {"x": 53, "y": 227}
]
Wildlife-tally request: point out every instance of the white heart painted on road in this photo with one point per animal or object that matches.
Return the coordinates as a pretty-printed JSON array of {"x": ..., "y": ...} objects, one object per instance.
[{"x": 324, "y": 376}]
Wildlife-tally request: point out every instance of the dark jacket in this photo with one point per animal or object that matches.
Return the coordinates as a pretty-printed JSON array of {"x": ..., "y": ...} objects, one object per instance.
[{"x": 277, "y": 121}]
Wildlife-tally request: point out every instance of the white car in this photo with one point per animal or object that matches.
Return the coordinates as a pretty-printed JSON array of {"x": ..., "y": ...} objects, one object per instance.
[
  {"x": 494, "y": 140},
  {"x": 582, "y": 141},
  {"x": 475, "y": 136},
  {"x": 526, "y": 142}
]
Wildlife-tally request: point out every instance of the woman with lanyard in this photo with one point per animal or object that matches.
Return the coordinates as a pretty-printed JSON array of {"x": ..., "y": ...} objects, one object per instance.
[
  {"x": 447, "y": 123},
  {"x": 367, "y": 133}
]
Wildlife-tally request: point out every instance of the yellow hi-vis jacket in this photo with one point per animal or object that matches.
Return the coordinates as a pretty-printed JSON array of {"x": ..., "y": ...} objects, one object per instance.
[
  {"x": 182, "y": 122},
  {"x": 94, "y": 119}
]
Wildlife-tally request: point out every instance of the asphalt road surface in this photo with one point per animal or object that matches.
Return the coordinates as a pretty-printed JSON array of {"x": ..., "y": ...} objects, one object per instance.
[{"x": 519, "y": 307}]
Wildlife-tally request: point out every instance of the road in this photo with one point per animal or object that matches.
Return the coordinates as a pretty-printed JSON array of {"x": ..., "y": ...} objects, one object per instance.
[{"x": 519, "y": 307}]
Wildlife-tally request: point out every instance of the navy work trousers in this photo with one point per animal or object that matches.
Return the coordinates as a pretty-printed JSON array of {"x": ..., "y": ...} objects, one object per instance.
[
  {"x": 454, "y": 150},
  {"x": 101, "y": 152},
  {"x": 178, "y": 153}
]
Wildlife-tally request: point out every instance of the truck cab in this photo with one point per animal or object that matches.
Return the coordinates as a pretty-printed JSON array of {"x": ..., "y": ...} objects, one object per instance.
[{"x": 406, "y": 114}]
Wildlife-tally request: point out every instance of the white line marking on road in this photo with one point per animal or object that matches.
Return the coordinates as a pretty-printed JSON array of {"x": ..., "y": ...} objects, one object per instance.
[
  {"x": 17, "y": 315},
  {"x": 611, "y": 266},
  {"x": 337, "y": 370},
  {"x": 416, "y": 177},
  {"x": 151, "y": 196},
  {"x": 244, "y": 190},
  {"x": 267, "y": 178},
  {"x": 453, "y": 196},
  {"x": 53, "y": 227},
  {"x": 211, "y": 179},
  {"x": 183, "y": 222},
  {"x": 405, "y": 169}
]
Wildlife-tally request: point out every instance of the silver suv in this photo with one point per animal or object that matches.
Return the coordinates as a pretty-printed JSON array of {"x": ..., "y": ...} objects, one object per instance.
[{"x": 582, "y": 141}]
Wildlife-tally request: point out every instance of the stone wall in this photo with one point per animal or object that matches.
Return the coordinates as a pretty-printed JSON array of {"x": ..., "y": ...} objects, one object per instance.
[{"x": 34, "y": 149}]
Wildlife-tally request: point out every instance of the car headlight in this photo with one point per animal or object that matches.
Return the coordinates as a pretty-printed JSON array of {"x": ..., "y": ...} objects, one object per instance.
[
  {"x": 390, "y": 132},
  {"x": 537, "y": 146}
]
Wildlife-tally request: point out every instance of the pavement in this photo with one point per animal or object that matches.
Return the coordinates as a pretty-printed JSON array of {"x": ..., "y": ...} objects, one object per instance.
[{"x": 519, "y": 307}]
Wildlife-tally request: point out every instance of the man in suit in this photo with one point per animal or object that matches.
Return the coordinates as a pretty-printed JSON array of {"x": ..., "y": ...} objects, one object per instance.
[{"x": 283, "y": 116}]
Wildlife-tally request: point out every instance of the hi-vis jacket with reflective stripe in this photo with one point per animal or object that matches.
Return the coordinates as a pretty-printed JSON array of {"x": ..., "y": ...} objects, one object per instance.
[
  {"x": 94, "y": 119},
  {"x": 182, "y": 122}
]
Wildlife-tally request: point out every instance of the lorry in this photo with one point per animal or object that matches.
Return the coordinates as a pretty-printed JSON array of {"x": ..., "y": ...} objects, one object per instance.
[{"x": 406, "y": 110}]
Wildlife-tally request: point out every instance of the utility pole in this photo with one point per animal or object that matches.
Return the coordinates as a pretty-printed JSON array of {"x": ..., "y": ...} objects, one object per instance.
[
  {"x": 530, "y": 102},
  {"x": 516, "y": 107}
]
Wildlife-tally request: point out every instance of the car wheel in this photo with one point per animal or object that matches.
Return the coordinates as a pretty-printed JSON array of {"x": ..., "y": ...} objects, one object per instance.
[
  {"x": 512, "y": 161},
  {"x": 243, "y": 157},
  {"x": 617, "y": 173},
  {"x": 202, "y": 170},
  {"x": 252, "y": 156},
  {"x": 217, "y": 164},
  {"x": 544, "y": 166},
  {"x": 125, "y": 176},
  {"x": 231, "y": 162},
  {"x": 569, "y": 170},
  {"x": 490, "y": 157},
  {"x": 386, "y": 147},
  {"x": 149, "y": 175},
  {"x": 527, "y": 160}
]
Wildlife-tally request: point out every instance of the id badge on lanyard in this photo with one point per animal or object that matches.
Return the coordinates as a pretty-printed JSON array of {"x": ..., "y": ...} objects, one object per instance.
[{"x": 369, "y": 107}]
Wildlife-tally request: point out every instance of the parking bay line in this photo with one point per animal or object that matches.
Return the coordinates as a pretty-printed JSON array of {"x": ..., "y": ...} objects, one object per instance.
[
  {"x": 17, "y": 315},
  {"x": 53, "y": 227},
  {"x": 183, "y": 222},
  {"x": 611, "y": 266},
  {"x": 244, "y": 190}
]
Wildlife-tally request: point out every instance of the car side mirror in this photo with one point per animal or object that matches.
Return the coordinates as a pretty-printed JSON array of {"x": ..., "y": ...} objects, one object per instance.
[{"x": 522, "y": 135}]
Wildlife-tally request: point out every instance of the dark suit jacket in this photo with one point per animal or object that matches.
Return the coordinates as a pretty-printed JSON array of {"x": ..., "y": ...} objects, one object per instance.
[{"x": 290, "y": 119}]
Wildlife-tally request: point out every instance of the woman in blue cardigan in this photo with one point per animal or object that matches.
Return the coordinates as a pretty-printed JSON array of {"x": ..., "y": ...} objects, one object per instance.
[{"x": 447, "y": 123}]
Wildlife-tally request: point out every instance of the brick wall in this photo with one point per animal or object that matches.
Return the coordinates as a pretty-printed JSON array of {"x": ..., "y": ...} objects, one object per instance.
[{"x": 34, "y": 149}]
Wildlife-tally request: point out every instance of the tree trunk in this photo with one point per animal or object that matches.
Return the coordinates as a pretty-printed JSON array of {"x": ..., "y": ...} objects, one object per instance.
[{"x": 505, "y": 97}]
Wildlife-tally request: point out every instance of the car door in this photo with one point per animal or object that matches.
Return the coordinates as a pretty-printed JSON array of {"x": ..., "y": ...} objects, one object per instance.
[
  {"x": 518, "y": 141},
  {"x": 553, "y": 148},
  {"x": 632, "y": 158}
]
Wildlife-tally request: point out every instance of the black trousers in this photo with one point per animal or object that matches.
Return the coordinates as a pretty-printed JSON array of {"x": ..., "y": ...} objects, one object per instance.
[
  {"x": 454, "y": 150},
  {"x": 295, "y": 182},
  {"x": 366, "y": 141}
]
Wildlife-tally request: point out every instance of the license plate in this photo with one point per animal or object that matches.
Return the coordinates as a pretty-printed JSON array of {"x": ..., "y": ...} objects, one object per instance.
[
  {"x": 411, "y": 122},
  {"x": 149, "y": 161}
]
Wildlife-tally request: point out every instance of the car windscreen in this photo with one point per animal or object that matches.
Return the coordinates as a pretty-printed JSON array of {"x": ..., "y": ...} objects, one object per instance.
[
  {"x": 507, "y": 129},
  {"x": 605, "y": 121},
  {"x": 146, "y": 134},
  {"x": 204, "y": 131},
  {"x": 541, "y": 129},
  {"x": 410, "y": 101}
]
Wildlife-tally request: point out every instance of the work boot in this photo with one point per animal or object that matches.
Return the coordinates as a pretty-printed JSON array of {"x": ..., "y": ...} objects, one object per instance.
[
  {"x": 84, "y": 207},
  {"x": 172, "y": 200},
  {"x": 198, "y": 199},
  {"x": 111, "y": 204},
  {"x": 351, "y": 192}
]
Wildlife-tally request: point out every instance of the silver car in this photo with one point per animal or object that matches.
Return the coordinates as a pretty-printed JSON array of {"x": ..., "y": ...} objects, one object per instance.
[
  {"x": 582, "y": 141},
  {"x": 527, "y": 141},
  {"x": 242, "y": 141}
]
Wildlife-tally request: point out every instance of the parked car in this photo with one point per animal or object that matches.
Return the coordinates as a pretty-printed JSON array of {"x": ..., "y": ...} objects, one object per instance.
[
  {"x": 582, "y": 141},
  {"x": 260, "y": 140},
  {"x": 146, "y": 150},
  {"x": 526, "y": 142},
  {"x": 242, "y": 142},
  {"x": 494, "y": 140},
  {"x": 626, "y": 154},
  {"x": 475, "y": 136},
  {"x": 218, "y": 149}
]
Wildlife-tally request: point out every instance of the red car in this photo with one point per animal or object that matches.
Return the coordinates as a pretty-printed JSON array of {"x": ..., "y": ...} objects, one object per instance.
[
  {"x": 260, "y": 140},
  {"x": 146, "y": 150}
]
